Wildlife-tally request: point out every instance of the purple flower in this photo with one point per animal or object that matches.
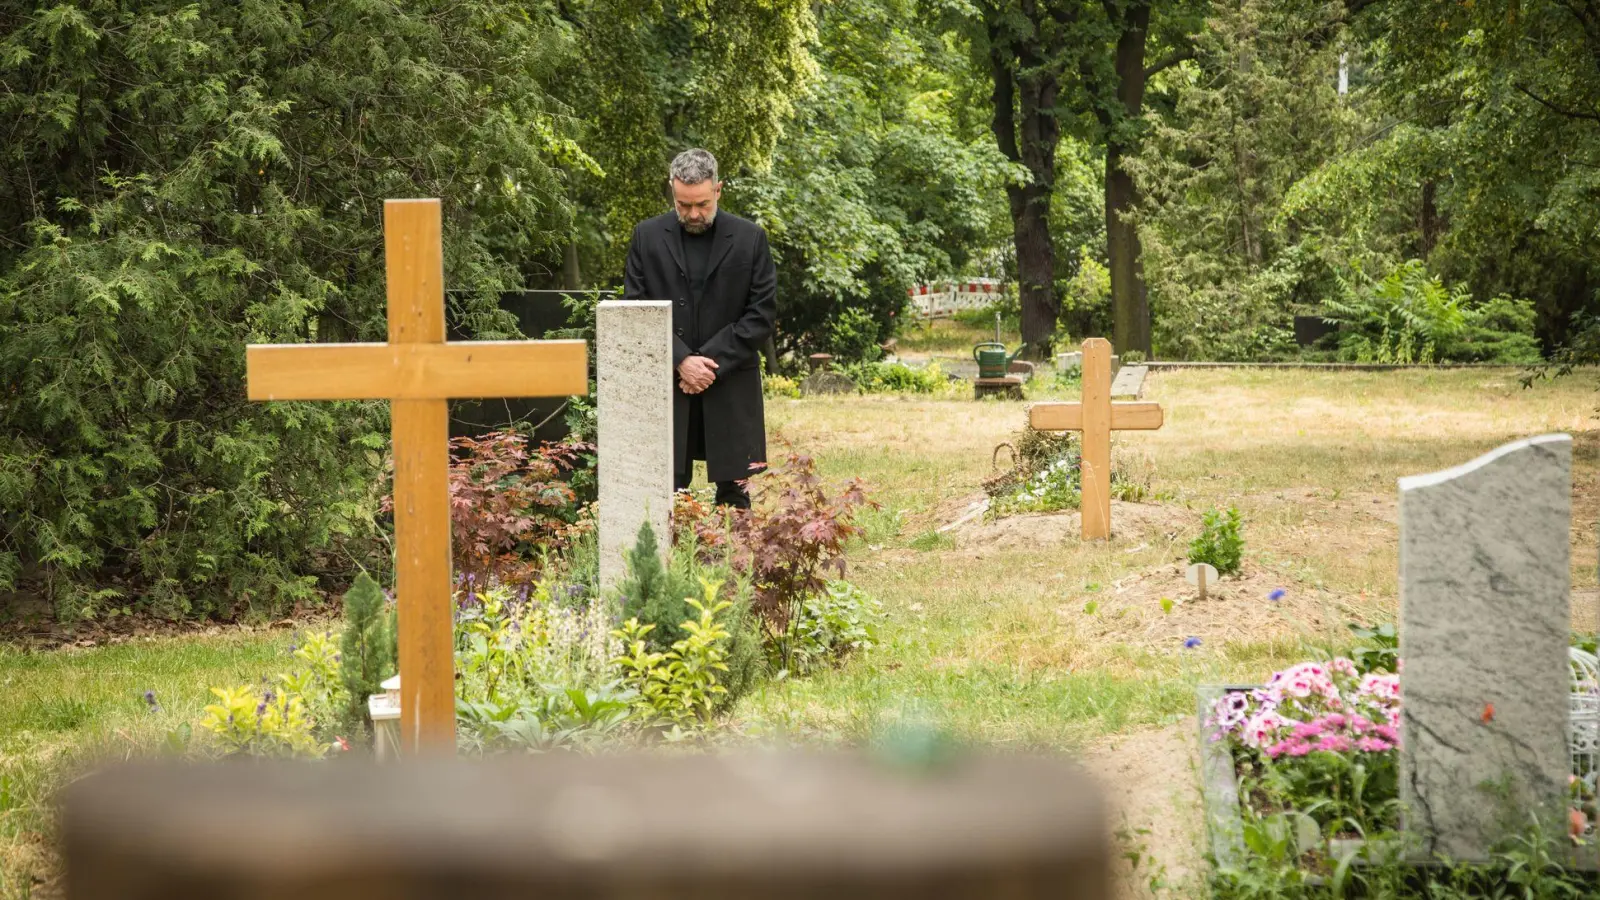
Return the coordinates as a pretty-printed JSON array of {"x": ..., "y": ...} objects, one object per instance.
[
  {"x": 1277, "y": 594},
  {"x": 150, "y": 698},
  {"x": 1191, "y": 643}
]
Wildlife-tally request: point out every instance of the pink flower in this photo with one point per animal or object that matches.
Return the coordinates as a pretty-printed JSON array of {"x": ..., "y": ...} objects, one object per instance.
[
  {"x": 1385, "y": 687},
  {"x": 1389, "y": 733},
  {"x": 1373, "y": 745},
  {"x": 1342, "y": 666},
  {"x": 1307, "y": 730},
  {"x": 1288, "y": 747},
  {"x": 1262, "y": 728},
  {"x": 1334, "y": 720},
  {"x": 1336, "y": 743}
]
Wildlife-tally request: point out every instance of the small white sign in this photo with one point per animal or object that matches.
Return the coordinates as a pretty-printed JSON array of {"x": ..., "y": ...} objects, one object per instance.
[{"x": 1197, "y": 568}]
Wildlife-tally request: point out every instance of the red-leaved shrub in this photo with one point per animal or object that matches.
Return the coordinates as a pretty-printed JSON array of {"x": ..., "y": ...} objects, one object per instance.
[
  {"x": 790, "y": 542},
  {"x": 506, "y": 502}
]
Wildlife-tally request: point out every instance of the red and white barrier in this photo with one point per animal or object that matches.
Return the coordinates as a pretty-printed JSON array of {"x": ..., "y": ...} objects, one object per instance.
[{"x": 933, "y": 301}]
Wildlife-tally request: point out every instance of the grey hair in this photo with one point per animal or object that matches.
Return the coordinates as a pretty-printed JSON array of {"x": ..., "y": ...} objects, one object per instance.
[{"x": 694, "y": 166}]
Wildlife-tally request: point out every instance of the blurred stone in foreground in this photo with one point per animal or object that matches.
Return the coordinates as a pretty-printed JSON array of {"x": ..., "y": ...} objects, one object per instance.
[{"x": 746, "y": 826}]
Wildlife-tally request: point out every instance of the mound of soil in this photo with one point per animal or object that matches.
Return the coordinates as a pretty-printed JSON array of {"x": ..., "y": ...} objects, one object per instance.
[
  {"x": 1238, "y": 608},
  {"x": 1129, "y": 521}
]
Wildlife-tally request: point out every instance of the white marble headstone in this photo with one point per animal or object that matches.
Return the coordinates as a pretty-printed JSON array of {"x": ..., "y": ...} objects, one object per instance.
[
  {"x": 1484, "y": 624},
  {"x": 633, "y": 362}
]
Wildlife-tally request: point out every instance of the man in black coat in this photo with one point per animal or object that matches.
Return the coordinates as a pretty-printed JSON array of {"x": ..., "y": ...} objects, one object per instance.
[{"x": 718, "y": 272}]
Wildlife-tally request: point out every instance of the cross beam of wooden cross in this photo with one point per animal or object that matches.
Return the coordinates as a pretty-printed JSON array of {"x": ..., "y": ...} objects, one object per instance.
[
  {"x": 1096, "y": 417},
  {"x": 418, "y": 372}
]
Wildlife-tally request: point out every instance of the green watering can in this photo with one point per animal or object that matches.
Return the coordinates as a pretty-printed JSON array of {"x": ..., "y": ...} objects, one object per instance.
[{"x": 992, "y": 359}]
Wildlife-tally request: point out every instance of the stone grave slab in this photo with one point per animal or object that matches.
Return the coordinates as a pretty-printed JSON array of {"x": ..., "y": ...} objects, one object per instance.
[
  {"x": 1484, "y": 611},
  {"x": 1129, "y": 381},
  {"x": 633, "y": 364}
]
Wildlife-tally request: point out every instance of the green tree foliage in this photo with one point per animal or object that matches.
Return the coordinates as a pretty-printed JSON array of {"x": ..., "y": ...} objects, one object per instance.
[
  {"x": 881, "y": 180},
  {"x": 366, "y": 648},
  {"x": 182, "y": 178},
  {"x": 655, "y": 593},
  {"x": 1254, "y": 114},
  {"x": 1509, "y": 93},
  {"x": 1079, "y": 68},
  {"x": 656, "y": 78}
]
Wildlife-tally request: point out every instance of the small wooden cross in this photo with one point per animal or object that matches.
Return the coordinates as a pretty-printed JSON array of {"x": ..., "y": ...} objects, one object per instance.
[
  {"x": 1096, "y": 417},
  {"x": 418, "y": 371}
]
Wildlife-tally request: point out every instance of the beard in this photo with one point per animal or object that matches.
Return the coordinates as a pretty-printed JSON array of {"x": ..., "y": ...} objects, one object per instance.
[{"x": 698, "y": 227}]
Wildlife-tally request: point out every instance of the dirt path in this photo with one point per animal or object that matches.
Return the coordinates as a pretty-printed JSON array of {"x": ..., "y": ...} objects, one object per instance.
[{"x": 1152, "y": 782}]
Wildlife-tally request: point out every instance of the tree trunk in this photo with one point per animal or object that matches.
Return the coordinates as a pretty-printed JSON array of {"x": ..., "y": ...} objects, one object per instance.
[
  {"x": 1428, "y": 218},
  {"x": 1130, "y": 311},
  {"x": 1034, "y": 97},
  {"x": 1130, "y": 315},
  {"x": 571, "y": 274}
]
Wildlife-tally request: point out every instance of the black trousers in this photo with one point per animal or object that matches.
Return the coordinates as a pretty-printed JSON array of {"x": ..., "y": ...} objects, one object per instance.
[{"x": 729, "y": 493}]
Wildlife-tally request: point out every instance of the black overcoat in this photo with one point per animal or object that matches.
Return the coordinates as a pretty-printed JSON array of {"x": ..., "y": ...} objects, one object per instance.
[{"x": 729, "y": 324}]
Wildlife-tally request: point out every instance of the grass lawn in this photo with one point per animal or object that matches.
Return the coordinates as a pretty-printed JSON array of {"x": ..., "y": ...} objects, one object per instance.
[
  {"x": 997, "y": 639},
  {"x": 949, "y": 337},
  {"x": 1012, "y": 633}
]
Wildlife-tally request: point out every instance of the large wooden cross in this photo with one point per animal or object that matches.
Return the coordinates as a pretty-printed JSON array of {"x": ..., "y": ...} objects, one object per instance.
[
  {"x": 418, "y": 371},
  {"x": 1096, "y": 417}
]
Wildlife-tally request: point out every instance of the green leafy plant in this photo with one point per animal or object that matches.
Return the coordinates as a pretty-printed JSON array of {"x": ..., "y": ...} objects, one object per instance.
[
  {"x": 896, "y": 377},
  {"x": 1220, "y": 542},
  {"x": 514, "y": 646},
  {"x": 853, "y": 335},
  {"x": 780, "y": 386},
  {"x": 681, "y": 686},
  {"x": 655, "y": 593},
  {"x": 839, "y": 620},
  {"x": 268, "y": 723},
  {"x": 366, "y": 645},
  {"x": 560, "y": 718},
  {"x": 317, "y": 678},
  {"x": 1377, "y": 648},
  {"x": 1409, "y": 316}
]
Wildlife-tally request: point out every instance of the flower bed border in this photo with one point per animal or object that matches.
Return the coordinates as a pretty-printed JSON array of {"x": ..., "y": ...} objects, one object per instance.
[
  {"x": 1220, "y": 790},
  {"x": 1220, "y": 783}
]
